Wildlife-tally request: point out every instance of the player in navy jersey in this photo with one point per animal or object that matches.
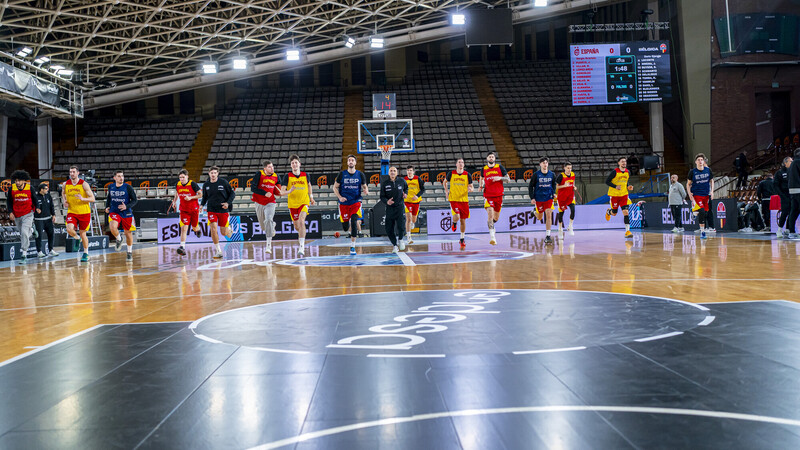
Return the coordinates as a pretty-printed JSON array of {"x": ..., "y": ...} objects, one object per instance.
[
  {"x": 119, "y": 208},
  {"x": 700, "y": 186},
  {"x": 542, "y": 191},
  {"x": 348, "y": 187}
]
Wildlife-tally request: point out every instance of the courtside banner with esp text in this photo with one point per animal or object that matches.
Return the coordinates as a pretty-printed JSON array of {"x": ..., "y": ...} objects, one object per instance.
[
  {"x": 245, "y": 228},
  {"x": 521, "y": 218}
]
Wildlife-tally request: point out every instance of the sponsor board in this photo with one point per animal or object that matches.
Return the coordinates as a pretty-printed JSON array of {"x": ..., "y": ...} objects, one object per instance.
[
  {"x": 245, "y": 228},
  {"x": 659, "y": 215},
  {"x": 522, "y": 218}
]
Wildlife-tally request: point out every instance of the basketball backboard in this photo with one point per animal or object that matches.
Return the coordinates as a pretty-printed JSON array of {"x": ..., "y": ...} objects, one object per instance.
[{"x": 374, "y": 133}]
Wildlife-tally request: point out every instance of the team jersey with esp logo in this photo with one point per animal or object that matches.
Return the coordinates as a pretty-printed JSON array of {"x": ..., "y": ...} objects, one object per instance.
[{"x": 493, "y": 188}]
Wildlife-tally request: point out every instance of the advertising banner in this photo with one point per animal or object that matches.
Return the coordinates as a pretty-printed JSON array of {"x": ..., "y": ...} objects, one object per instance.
[
  {"x": 521, "y": 218},
  {"x": 245, "y": 228},
  {"x": 659, "y": 215}
]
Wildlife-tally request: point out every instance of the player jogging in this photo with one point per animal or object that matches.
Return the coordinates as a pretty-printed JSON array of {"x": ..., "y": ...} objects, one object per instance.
[
  {"x": 119, "y": 207},
  {"x": 218, "y": 196},
  {"x": 700, "y": 186},
  {"x": 617, "y": 182},
  {"x": 76, "y": 196},
  {"x": 348, "y": 187},
  {"x": 542, "y": 190},
  {"x": 416, "y": 189},
  {"x": 491, "y": 182},
  {"x": 565, "y": 188},
  {"x": 457, "y": 186},
  {"x": 188, "y": 193},
  {"x": 265, "y": 186},
  {"x": 297, "y": 186}
]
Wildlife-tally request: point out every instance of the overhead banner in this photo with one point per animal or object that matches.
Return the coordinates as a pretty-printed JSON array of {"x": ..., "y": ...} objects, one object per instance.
[
  {"x": 245, "y": 228},
  {"x": 521, "y": 218},
  {"x": 24, "y": 84}
]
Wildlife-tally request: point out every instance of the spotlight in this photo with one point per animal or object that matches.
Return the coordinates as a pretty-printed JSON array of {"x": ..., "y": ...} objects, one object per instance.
[
  {"x": 458, "y": 19},
  {"x": 376, "y": 42},
  {"x": 210, "y": 68},
  {"x": 24, "y": 52},
  {"x": 540, "y": 3},
  {"x": 41, "y": 60},
  {"x": 65, "y": 73},
  {"x": 56, "y": 67},
  {"x": 293, "y": 55},
  {"x": 349, "y": 42},
  {"x": 239, "y": 63}
]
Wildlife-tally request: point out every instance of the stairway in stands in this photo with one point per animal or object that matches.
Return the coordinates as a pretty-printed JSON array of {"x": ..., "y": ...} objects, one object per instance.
[
  {"x": 353, "y": 110},
  {"x": 201, "y": 148},
  {"x": 501, "y": 135},
  {"x": 673, "y": 155}
]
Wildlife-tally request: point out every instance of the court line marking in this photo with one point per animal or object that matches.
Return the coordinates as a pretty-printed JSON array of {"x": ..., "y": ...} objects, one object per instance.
[
  {"x": 706, "y": 321},
  {"x": 46, "y": 346},
  {"x": 551, "y": 350},
  {"x": 660, "y": 336},
  {"x": 526, "y": 409},
  {"x": 406, "y": 259},
  {"x": 474, "y": 283},
  {"x": 379, "y": 355}
]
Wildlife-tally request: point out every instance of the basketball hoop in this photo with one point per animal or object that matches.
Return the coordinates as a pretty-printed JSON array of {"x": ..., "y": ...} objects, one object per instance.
[{"x": 386, "y": 152}]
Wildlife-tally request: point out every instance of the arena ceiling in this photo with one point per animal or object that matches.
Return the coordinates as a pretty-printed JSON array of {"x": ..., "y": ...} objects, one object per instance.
[{"x": 113, "y": 43}]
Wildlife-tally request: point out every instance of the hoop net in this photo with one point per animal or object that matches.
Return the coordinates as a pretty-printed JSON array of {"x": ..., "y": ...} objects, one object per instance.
[{"x": 386, "y": 152}]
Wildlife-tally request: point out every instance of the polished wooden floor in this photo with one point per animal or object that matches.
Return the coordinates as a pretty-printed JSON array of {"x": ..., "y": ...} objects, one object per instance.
[{"x": 46, "y": 301}]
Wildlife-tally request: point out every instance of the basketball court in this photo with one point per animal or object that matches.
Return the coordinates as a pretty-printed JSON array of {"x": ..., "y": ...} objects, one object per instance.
[{"x": 596, "y": 342}]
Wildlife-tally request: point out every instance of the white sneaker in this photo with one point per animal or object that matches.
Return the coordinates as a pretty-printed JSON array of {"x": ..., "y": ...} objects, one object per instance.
[
  {"x": 681, "y": 229},
  {"x": 41, "y": 255},
  {"x": 711, "y": 230},
  {"x": 571, "y": 231},
  {"x": 697, "y": 230},
  {"x": 401, "y": 245},
  {"x": 53, "y": 253},
  {"x": 492, "y": 241},
  {"x": 218, "y": 255},
  {"x": 274, "y": 230},
  {"x": 268, "y": 249},
  {"x": 676, "y": 230},
  {"x": 395, "y": 250},
  {"x": 301, "y": 253}
]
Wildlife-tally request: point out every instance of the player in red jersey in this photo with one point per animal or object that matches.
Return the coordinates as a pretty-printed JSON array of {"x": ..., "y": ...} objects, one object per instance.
[
  {"x": 565, "y": 189},
  {"x": 189, "y": 193},
  {"x": 492, "y": 178}
]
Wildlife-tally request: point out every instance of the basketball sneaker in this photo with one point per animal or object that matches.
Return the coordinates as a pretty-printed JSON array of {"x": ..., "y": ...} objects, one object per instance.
[
  {"x": 401, "y": 245},
  {"x": 85, "y": 257},
  {"x": 268, "y": 249},
  {"x": 181, "y": 251},
  {"x": 608, "y": 215},
  {"x": 53, "y": 253},
  {"x": 395, "y": 249},
  {"x": 218, "y": 255},
  {"x": 628, "y": 234},
  {"x": 41, "y": 255},
  {"x": 118, "y": 244},
  {"x": 410, "y": 241},
  {"x": 23, "y": 260},
  {"x": 455, "y": 226},
  {"x": 129, "y": 257},
  {"x": 676, "y": 230},
  {"x": 301, "y": 253},
  {"x": 561, "y": 234},
  {"x": 492, "y": 241},
  {"x": 197, "y": 233},
  {"x": 353, "y": 251},
  {"x": 548, "y": 239},
  {"x": 571, "y": 231},
  {"x": 462, "y": 243},
  {"x": 711, "y": 230}
]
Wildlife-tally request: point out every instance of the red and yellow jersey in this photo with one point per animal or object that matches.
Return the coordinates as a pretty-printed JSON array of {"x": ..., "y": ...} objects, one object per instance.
[
  {"x": 73, "y": 192},
  {"x": 299, "y": 196},
  {"x": 620, "y": 180},
  {"x": 190, "y": 189},
  {"x": 566, "y": 188},
  {"x": 459, "y": 186},
  {"x": 413, "y": 189},
  {"x": 23, "y": 200},
  {"x": 267, "y": 183},
  {"x": 493, "y": 188}
]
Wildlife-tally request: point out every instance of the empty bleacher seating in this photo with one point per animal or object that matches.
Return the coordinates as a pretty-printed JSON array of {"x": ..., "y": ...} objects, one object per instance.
[
  {"x": 142, "y": 148},
  {"x": 274, "y": 123}
]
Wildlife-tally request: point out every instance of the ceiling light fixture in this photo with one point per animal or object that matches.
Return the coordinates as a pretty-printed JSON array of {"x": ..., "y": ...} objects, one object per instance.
[
  {"x": 376, "y": 42},
  {"x": 240, "y": 63},
  {"x": 349, "y": 42},
  {"x": 210, "y": 68},
  {"x": 293, "y": 55},
  {"x": 458, "y": 19}
]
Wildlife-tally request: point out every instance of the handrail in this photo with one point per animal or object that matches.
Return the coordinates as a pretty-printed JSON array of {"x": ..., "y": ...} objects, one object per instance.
[{"x": 738, "y": 150}]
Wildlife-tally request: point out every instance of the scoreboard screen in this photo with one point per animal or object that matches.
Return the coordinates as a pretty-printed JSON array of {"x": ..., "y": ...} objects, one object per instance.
[{"x": 625, "y": 72}]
